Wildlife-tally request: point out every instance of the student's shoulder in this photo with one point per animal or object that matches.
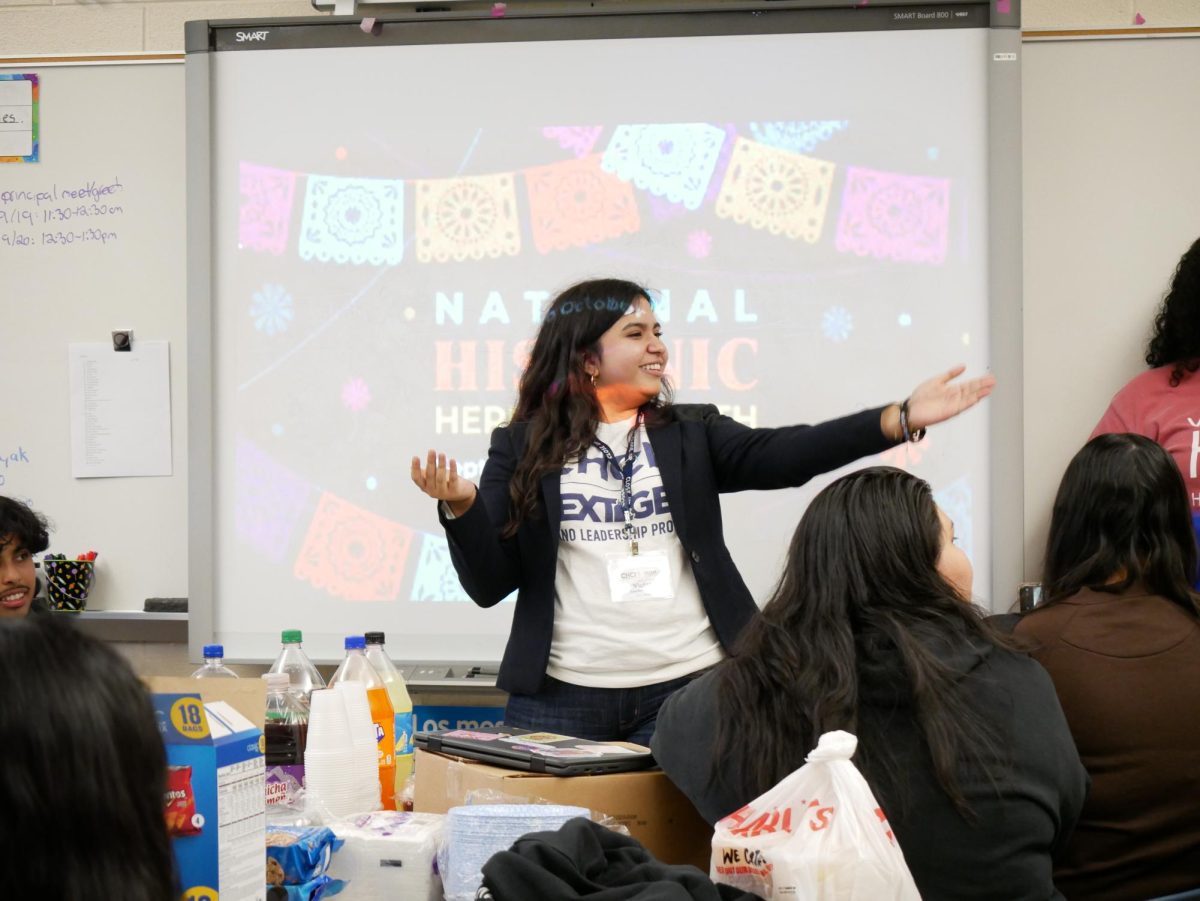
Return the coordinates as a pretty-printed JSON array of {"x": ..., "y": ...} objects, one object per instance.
[
  {"x": 1156, "y": 381},
  {"x": 1045, "y": 625},
  {"x": 1033, "y": 623},
  {"x": 1014, "y": 673}
]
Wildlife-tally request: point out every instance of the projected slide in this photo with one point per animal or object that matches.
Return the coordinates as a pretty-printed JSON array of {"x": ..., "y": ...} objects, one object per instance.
[{"x": 808, "y": 211}]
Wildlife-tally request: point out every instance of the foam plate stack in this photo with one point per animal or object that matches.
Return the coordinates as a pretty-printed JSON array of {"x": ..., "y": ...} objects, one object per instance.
[{"x": 388, "y": 855}]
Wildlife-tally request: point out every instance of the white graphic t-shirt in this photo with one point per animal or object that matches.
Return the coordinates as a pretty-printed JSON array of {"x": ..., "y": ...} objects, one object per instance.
[{"x": 600, "y": 641}]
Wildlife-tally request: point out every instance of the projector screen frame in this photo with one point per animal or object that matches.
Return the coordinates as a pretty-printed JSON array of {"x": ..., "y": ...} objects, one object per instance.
[{"x": 550, "y": 21}]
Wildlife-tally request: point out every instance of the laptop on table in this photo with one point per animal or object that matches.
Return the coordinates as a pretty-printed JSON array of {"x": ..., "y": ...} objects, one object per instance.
[{"x": 537, "y": 751}]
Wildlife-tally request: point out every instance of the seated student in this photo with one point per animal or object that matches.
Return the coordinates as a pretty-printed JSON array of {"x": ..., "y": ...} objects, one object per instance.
[
  {"x": 1119, "y": 634},
  {"x": 83, "y": 774},
  {"x": 22, "y": 534},
  {"x": 871, "y": 630}
]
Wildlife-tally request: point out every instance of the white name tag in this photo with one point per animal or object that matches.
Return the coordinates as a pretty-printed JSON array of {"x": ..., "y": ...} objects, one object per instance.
[{"x": 640, "y": 577}]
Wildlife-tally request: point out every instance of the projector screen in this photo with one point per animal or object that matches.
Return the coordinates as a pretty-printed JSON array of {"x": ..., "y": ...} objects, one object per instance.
[{"x": 806, "y": 195}]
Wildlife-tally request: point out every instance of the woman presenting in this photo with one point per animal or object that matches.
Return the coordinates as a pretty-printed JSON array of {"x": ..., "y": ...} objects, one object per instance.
[{"x": 599, "y": 504}]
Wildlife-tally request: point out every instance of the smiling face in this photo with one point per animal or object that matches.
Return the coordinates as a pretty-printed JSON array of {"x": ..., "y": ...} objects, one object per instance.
[
  {"x": 17, "y": 577},
  {"x": 632, "y": 359},
  {"x": 952, "y": 562}
]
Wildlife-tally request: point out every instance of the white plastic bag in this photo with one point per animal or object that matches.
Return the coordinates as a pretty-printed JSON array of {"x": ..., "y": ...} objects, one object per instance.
[{"x": 819, "y": 835}]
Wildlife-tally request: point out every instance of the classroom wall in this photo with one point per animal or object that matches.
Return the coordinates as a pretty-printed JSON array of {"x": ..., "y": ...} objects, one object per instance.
[
  {"x": 38, "y": 27},
  {"x": 78, "y": 26}
]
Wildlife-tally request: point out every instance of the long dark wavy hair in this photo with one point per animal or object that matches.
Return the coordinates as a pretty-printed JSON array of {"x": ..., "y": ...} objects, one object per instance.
[
  {"x": 1121, "y": 516},
  {"x": 1176, "y": 338},
  {"x": 556, "y": 396},
  {"x": 84, "y": 771},
  {"x": 860, "y": 584}
]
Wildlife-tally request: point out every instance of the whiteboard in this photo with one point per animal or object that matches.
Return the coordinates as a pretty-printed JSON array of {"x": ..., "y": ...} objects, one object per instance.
[
  {"x": 327, "y": 366},
  {"x": 74, "y": 269},
  {"x": 1111, "y": 197}
]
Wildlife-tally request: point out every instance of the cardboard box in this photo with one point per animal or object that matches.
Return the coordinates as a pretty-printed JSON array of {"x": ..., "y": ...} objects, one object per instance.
[
  {"x": 210, "y": 725},
  {"x": 645, "y": 801}
]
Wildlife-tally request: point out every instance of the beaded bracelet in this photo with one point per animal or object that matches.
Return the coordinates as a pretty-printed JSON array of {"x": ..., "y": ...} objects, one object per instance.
[{"x": 909, "y": 436}]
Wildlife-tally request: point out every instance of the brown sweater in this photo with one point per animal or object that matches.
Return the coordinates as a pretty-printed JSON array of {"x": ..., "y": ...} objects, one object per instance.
[{"x": 1127, "y": 671}]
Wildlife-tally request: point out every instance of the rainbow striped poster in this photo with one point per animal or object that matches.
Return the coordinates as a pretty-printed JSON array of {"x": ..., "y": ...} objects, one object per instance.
[{"x": 18, "y": 118}]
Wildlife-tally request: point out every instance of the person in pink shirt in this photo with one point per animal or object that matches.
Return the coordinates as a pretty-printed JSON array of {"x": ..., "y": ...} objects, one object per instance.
[{"x": 1163, "y": 403}]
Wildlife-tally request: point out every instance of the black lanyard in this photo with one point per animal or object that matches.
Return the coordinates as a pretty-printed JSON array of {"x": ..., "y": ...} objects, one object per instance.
[{"x": 626, "y": 470}]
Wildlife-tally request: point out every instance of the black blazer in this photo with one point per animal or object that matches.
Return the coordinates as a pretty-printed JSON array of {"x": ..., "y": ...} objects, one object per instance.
[{"x": 696, "y": 447}]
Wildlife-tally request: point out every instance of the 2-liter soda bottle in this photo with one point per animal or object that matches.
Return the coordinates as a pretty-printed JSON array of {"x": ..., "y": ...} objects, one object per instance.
[
  {"x": 285, "y": 733},
  {"x": 293, "y": 661},
  {"x": 401, "y": 705}
]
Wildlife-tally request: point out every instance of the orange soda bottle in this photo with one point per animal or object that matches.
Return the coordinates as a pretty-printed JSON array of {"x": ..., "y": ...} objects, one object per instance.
[{"x": 401, "y": 705}]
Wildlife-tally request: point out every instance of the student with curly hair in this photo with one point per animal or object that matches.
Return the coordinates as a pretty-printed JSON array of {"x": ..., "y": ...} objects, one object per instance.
[
  {"x": 23, "y": 533},
  {"x": 1163, "y": 403}
]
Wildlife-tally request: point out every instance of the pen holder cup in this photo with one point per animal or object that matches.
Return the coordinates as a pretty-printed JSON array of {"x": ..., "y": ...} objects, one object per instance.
[{"x": 68, "y": 583}]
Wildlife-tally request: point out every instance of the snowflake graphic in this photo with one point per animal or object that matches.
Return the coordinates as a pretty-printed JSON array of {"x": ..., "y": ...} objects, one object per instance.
[
  {"x": 837, "y": 324},
  {"x": 699, "y": 243},
  {"x": 356, "y": 395},
  {"x": 271, "y": 309}
]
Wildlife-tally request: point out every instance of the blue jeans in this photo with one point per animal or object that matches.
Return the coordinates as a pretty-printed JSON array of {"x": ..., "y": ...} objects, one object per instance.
[{"x": 599, "y": 714}]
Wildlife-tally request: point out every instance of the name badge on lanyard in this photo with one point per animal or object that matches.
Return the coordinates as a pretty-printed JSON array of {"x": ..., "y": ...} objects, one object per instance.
[{"x": 638, "y": 575}]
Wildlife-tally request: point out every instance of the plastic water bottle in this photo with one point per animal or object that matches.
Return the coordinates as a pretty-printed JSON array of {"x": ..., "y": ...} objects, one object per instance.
[
  {"x": 356, "y": 668},
  {"x": 293, "y": 661},
  {"x": 285, "y": 733},
  {"x": 401, "y": 705},
  {"x": 214, "y": 667}
]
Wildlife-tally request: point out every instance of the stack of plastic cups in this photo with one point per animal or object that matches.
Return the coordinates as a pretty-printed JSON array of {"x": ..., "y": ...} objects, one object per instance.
[
  {"x": 366, "y": 748},
  {"x": 332, "y": 790}
]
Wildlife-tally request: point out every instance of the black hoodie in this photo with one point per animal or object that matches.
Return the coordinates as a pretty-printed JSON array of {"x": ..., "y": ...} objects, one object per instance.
[{"x": 586, "y": 860}]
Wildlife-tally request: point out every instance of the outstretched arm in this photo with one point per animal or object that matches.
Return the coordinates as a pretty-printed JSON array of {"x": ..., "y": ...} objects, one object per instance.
[
  {"x": 936, "y": 400},
  {"x": 763, "y": 459}
]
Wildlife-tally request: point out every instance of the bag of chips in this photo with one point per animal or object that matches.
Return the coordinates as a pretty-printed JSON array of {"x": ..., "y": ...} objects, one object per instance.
[{"x": 179, "y": 803}]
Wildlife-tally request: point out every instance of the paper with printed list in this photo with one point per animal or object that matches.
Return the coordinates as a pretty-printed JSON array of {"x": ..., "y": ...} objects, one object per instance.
[{"x": 120, "y": 410}]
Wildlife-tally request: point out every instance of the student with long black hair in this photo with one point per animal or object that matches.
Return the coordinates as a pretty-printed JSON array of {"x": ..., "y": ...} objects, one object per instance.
[
  {"x": 1119, "y": 633},
  {"x": 84, "y": 771},
  {"x": 600, "y": 505},
  {"x": 871, "y": 631}
]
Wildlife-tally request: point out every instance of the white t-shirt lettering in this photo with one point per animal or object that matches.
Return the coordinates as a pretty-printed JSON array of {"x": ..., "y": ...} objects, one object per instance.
[{"x": 598, "y": 642}]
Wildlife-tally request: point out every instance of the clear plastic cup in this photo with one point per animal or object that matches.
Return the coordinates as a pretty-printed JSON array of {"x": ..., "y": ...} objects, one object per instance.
[{"x": 328, "y": 724}]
